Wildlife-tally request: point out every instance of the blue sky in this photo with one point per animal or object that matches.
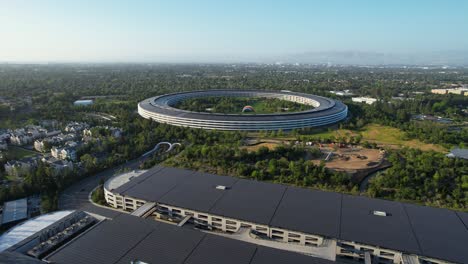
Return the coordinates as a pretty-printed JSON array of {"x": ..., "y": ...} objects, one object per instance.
[{"x": 105, "y": 30}]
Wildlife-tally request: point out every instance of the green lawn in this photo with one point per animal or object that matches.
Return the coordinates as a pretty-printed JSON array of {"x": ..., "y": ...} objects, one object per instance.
[
  {"x": 18, "y": 153},
  {"x": 382, "y": 135},
  {"x": 234, "y": 105}
]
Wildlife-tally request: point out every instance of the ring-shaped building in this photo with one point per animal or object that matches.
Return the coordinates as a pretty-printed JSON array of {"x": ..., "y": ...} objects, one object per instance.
[{"x": 162, "y": 109}]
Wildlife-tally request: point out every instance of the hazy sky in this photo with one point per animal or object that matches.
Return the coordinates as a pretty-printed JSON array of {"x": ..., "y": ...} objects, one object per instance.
[{"x": 173, "y": 30}]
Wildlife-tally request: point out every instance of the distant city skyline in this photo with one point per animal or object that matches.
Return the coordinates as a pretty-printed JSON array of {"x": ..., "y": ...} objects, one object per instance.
[{"x": 335, "y": 31}]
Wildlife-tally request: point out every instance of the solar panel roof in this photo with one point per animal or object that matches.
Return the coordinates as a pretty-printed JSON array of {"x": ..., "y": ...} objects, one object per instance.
[
  {"x": 198, "y": 191},
  {"x": 215, "y": 249},
  {"x": 15, "y": 210},
  {"x": 127, "y": 238},
  {"x": 440, "y": 232},
  {"x": 108, "y": 242},
  {"x": 464, "y": 217},
  {"x": 166, "y": 244},
  {"x": 250, "y": 201},
  {"x": 329, "y": 214},
  {"x": 153, "y": 188},
  {"x": 315, "y": 212},
  {"x": 265, "y": 255},
  {"x": 360, "y": 224}
]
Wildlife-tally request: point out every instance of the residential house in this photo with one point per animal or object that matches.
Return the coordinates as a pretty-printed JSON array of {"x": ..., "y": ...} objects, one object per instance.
[
  {"x": 76, "y": 127},
  {"x": 367, "y": 100},
  {"x": 67, "y": 152},
  {"x": 58, "y": 165},
  {"x": 20, "y": 167},
  {"x": 3, "y": 145}
]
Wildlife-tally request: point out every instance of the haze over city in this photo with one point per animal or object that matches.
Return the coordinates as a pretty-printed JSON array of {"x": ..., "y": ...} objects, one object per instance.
[
  {"x": 349, "y": 32},
  {"x": 234, "y": 132}
]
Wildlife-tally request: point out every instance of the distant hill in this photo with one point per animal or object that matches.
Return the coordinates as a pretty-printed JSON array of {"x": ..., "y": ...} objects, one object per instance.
[{"x": 376, "y": 58}]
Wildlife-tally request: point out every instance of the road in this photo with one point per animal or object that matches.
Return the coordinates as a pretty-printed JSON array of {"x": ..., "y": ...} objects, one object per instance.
[{"x": 76, "y": 196}]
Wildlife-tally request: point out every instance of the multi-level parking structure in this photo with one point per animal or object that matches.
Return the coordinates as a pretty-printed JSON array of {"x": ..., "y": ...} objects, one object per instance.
[
  {"x": 325, "y": 112},
  {"x": 342, "y": 227}
]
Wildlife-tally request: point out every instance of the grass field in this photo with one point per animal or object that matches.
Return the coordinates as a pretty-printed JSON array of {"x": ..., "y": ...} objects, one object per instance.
[
  {"x": 18, "y": 153},
  {"x": 269, "y": 145},
  {"x": 385, "y": 136}
]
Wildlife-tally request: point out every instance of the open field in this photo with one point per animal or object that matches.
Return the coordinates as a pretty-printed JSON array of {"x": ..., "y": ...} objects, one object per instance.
[
  {"x": 18, "y": 153},
  {"x": 394, "y": 137},
  {"x": 269, "y": 145},
  {"x": 384, "y": 136}
]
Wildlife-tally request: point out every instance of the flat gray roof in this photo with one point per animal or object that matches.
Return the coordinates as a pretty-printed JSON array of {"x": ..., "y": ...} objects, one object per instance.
[
  {"x": 184, "y": 196},
  {"x": 421, "y": 230},
  {"x": 15, "y": 211},
  {"x": 250, "y": 201},
  {"x": 358, "y": 223},
  {"x": 440, "y": 232},
  {"x": 127, "y": 238},
  {"x": 314, "y": 212}
]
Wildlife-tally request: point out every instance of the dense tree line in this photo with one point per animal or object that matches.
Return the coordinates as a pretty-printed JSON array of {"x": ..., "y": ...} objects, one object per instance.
[
  {"x": 400, "y": 115},
  {"x": 426, "y": 177},
  {"x": 285, "y": 164},
  {"x": 48, "y": 92}
]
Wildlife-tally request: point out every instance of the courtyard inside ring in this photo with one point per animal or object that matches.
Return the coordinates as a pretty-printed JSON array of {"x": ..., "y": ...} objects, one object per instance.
[{"x": 325, "y": 111}]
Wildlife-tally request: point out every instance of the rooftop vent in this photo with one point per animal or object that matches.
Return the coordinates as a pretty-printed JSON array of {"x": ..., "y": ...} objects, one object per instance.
[
  {"x": 221, "y": 187},
  {"x": 380, "y": 213}
]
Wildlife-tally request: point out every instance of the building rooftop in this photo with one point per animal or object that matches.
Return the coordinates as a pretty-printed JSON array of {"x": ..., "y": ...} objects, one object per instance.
[
  {"x": 29, "y": 228},
  {"x": 155, "y": 242},
  {"x": 426, "y": 231},
  {"x": 15, "y": 211},
  {"x": 121, "y": 179},
  {"x": 83, "y": 102},
  {"x": 458, "y": 153}
]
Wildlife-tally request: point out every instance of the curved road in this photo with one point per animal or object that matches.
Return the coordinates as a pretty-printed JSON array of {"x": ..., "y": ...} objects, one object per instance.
[{"x": 75, "y": 197}]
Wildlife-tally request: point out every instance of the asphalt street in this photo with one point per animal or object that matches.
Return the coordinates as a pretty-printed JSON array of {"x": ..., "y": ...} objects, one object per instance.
[{"x": 75, "y": 197}]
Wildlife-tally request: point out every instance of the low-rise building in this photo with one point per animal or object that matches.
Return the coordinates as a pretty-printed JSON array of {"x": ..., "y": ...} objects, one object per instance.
[
  {"x": 46, "y": 143},
  {"x": 20, "y": 139},
  {"x": 41, "y": 145},
  {"x": 58, "y": 165},
  {"x": 14, "y": 212},
  {"x": 458, "y": 153},
  {"x": 459, "y": 91},
  {"x": 76, "y": 127},
  {"x": 83, "y": 102},
  {"x": 113, "y": 131},
  {"x": 67, "y": 152},
  {"x": 5, "y": 136},
  {"x": 3, "y": 145},
  {"x": 342, "y": 93},
  {"x": 367, "y": 100},
  {"x": 27, "y": 135},
  {"x": 349, "y": 228},
  {"x": 20, "y": 167}
]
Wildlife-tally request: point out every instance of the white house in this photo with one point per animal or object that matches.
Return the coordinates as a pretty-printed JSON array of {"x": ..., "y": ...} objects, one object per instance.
[
  {"x": 367, "y": 100},
  {"x": 68, "y": 152},
  {"x": 21, "y": 167}
]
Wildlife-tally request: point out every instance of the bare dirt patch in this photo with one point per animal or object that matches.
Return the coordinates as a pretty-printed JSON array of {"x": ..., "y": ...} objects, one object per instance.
[{"x": 352, "y": 159}]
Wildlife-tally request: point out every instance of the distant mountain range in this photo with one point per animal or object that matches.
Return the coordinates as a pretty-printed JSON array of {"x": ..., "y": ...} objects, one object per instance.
[{"x": 459, "y": 58}]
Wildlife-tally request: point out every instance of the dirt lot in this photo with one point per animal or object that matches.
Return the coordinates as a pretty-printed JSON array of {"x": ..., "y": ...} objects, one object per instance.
[{"x": 351, "y": 159}]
